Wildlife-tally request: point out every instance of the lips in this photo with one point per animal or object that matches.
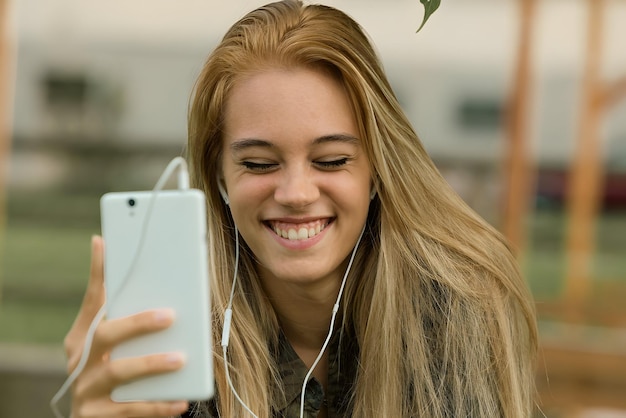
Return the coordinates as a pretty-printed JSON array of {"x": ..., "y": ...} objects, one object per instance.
[{"x": 298, "y": 231}]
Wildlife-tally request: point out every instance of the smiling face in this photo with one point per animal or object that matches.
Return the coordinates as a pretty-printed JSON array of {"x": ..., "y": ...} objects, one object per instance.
[{"x": 296, "y": 174}]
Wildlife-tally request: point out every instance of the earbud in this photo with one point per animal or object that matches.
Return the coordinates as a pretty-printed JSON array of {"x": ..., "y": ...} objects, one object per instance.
[{"x": 223, "y": 193}]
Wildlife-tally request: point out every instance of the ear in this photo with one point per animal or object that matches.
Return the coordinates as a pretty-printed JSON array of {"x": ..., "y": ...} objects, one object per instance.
[
  {"x": 373, "y": 188},
  {"x": 223, "y": 193}
]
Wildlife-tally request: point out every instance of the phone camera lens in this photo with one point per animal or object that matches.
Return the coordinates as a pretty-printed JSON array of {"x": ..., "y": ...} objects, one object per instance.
[{"x": 131, "y": 202}]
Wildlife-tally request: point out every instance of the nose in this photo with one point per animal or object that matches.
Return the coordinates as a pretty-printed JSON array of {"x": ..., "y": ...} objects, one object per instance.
[{"x": 297, "y": 188}]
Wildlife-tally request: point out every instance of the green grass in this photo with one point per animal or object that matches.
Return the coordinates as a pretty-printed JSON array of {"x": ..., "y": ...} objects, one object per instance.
[
  {"x": 44, "y": 265},
  {"x": 36, "y": 322},
  {"x": 44, "y": 270},
  {"x": 44, "y": 259},
  {"x": 544, "y": 272},
  {"x": 545, "y": 263}
]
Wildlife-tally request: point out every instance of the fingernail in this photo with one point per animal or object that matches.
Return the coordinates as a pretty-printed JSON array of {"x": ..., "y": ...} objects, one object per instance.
[
  {"x": 177, "y": 407},
  {"x": 175, "y": 358},
  {"x": 164, "y": 316},
  {"x": 96, "y": 241}
]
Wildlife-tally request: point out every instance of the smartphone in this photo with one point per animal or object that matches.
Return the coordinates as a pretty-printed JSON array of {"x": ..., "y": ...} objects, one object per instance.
[{"x": 155, "y": 256}]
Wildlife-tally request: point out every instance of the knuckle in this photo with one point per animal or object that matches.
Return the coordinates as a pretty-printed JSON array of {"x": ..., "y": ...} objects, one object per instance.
[
  {"x": 125, "y": 409},
  {"x": 83, "y": 411},
  {"x": 101, "y": 336},
  {"x": 113, "y": 372},
  {"x": 80, "y": 390},
  {"x": 161, "y": 410},
  {"x": 144, "y": 409},
  {"x": 94, "y": 294},
  {"x": 153, "y": 363},
  {"x": 165, "y": 411},
  {"x": 79, "y": 411},
  {"x": 71, "y": 364},
  {"x": 69, "y": 344}
]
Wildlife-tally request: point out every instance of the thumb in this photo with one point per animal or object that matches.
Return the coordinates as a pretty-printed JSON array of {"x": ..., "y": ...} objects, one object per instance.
[
  {"x": 94, "y": 295},
  {"x": 92, "y": 301}
]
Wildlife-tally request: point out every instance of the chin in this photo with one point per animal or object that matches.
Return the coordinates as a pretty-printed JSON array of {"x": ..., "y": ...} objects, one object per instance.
[{"x": 301, "y": 274}]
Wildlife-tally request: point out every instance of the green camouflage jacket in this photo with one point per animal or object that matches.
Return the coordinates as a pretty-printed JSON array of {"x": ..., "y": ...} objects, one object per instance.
[{"x": 343, "y": 360}]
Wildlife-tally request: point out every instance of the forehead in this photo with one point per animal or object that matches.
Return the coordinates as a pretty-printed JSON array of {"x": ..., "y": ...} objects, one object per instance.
[{"x": 275, "y": 104}]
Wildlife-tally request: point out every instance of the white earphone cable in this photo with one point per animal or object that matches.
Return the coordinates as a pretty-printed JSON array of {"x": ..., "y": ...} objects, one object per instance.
[
  {"x": 183, "y": 184},
  {"x": 228, "y": 314},
  {"x": 228, "y": 317},
  {"x": 332, "y": 325}
]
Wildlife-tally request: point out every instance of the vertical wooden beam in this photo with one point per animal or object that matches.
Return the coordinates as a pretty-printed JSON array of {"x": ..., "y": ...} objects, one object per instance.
[
  {"x": 4, "y": 140},
  {"x": 519, "y": 175},
  {"x": 586, "y": 174},
  {"x": 6, "y": 61}
]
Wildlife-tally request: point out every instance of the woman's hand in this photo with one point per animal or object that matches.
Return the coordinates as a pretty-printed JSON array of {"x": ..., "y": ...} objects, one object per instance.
[{"x": 91, "y": 392}]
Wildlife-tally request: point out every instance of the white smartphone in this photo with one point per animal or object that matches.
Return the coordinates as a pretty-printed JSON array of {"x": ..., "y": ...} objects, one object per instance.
[{"x": 155, "y": 256}]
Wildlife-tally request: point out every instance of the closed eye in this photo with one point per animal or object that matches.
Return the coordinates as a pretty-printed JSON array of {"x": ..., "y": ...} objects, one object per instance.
[
  {"x": 258, "y": 167},
  {"x": 332, "y": 164}
]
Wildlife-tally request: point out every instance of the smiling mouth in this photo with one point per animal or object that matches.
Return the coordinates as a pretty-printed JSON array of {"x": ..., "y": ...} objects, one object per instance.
[{"x": 298, "y": 232}]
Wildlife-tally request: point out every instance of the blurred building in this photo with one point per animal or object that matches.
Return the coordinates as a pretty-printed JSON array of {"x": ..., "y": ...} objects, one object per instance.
[
  {"x": 121, "y": 73},
  {"x": 103, "y": 83}
]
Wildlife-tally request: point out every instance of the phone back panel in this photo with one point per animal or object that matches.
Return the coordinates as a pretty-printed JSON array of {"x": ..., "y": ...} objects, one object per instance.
[{"x": 156, "y": 257}]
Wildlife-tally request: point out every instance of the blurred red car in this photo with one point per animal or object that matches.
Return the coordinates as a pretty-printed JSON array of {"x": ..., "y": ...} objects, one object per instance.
[{"x": 552, "y": 189}]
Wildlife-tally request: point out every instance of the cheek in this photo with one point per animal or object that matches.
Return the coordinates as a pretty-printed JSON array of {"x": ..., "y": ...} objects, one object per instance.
[
  {"x": 350, "y": 197},
  {"x": 248, "y": 194},
  {"x": 354, "y": 187}
]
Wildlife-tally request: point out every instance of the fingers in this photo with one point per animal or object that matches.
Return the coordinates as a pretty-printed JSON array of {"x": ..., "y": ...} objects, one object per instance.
[
  {"x": 108, "y": 375},
  {"x": 94, "y": 295},
  {"x": 107, "y": 408},
  {"x": 155, "y": 409},
  {"x": 91, "y": 392},
  {"x": 124, "y": 370},
  {"x": 92, "y": 301},
  {"x": 92, "y": 389},
  {"x": 91, "y": 395},
  {"x": 96, "y": 272},
  {"x": 115, "y": 331}
]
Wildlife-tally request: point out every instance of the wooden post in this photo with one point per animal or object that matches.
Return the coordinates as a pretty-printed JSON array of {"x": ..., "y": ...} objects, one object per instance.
[
  {"x": 586, "y": 175},
  {"x": 518, "y": 170},
  {"x": 6, "y": 60}
]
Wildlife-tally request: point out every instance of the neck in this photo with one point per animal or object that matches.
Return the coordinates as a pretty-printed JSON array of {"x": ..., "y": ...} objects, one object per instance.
[
  {"x": 304, "y": 313},
  {"x": 305, "y": 321}
]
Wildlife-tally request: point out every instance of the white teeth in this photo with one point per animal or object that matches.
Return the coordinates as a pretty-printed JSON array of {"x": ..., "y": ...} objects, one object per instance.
[{"x": 299, "y": 234}]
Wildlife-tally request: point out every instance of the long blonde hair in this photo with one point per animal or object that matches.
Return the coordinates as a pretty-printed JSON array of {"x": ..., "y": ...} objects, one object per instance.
[{"x": 444, "y": 322}]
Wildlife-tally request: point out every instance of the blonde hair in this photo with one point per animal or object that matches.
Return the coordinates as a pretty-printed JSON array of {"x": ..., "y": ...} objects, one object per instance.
[{"x": 444, "y": 322}]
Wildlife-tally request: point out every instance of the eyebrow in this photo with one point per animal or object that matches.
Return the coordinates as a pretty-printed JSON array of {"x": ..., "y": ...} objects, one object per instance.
[
  {"x": 336, "y": 138},
  {"x": 244, "y": 143}
]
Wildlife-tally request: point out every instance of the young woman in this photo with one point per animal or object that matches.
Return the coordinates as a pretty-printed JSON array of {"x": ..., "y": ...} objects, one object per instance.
[{"x": 307, "y": 159}]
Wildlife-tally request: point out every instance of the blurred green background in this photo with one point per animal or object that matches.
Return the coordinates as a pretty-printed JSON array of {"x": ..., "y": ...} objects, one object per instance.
[
  {"x": 47, "y": 246},
  {"x": 99, "y": 94}
]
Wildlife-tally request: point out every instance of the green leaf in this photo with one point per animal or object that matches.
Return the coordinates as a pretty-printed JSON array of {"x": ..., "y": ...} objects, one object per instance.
[{"x": 429, "y": 8}]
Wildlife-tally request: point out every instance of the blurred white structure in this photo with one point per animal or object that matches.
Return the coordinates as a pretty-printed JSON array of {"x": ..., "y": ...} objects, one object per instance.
[{"x": 122, "y": 70}]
